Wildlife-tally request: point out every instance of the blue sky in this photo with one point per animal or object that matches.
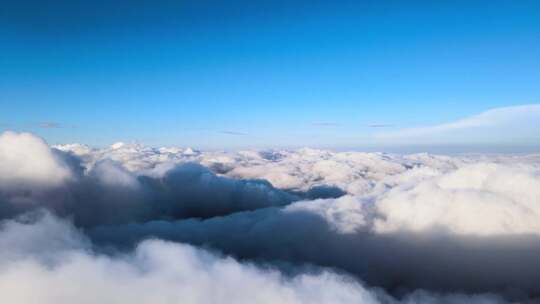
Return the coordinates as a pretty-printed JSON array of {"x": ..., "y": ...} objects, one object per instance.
[{"x": 230, "y": 74}]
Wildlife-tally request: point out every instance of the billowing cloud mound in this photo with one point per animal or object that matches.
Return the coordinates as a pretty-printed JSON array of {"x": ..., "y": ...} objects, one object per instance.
[
  {"x": 27, "y": 160},
  {"x": 304, "y": 226},
  {"x": 106, "y": 192},
  {"x": 35, "y": 270},
  {"x": 483, "y": 199},
  {"x": 156, "y": 272}
]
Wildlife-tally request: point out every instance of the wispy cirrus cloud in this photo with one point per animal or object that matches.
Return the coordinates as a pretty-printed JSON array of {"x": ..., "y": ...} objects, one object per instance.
[
  {"x": 53, "y": 125},
  {"x": 326, "y": 124},
  {"x": 380, "y": 125},
  {"x": 233, "y": 133},
  {"x": 498, "y": 124},
  {"x": 50, "y": 125}
]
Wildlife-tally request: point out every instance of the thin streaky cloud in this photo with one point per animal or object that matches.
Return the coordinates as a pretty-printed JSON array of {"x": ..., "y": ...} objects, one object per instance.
[
  {"x": 326, "y": 124},
  {"x": 380, "y": 125},
  {"x": 41, "y": 125},
  {"x": 233, "y": 133},
  {"x": 511, "y": 116},
  {"x": 50, "y": 125}
]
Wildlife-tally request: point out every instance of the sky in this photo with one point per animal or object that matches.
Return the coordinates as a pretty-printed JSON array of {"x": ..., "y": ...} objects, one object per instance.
[{"x": 239, "y": 74}]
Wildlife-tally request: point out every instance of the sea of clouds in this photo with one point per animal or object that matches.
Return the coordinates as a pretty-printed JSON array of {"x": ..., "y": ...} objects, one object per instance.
[{"x": 135, "y": 224}]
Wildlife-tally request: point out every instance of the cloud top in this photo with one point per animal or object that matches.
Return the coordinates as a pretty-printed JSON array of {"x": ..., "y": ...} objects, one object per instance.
[
  {"x": 27, "y": 159},
  {"x": 295, "y": 226}
]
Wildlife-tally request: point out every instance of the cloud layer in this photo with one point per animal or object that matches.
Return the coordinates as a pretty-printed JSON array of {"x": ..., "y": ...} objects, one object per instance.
[
  {"x": 302, "y": 226},
  {"x": 35, "y": 270}
]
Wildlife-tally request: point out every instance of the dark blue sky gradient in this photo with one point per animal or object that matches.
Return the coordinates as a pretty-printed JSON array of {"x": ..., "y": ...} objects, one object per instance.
[{"x": 260, "y": 73}]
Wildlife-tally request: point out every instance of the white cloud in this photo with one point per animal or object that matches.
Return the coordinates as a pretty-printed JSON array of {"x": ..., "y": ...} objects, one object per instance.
[
  {"x": 27, "y": 159},
  {"x": 345, "y": 214},
  {"x": 164, "y": 272},
  {"x": 499, "y": 125},
  {"x": 401, "y": 219},
  {"x": 114, "y": 174},
  {"x": 480, "y": 199}
]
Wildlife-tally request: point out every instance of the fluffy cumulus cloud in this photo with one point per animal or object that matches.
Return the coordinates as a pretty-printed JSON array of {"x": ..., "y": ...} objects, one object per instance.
[
  {"x": 34, "y": 269},
  {"x": 482, "y": 199},
  {"x": 27, "y": 160},
  {"x": 137, "y": 224},
  {"x": 106, "y": 191}
]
